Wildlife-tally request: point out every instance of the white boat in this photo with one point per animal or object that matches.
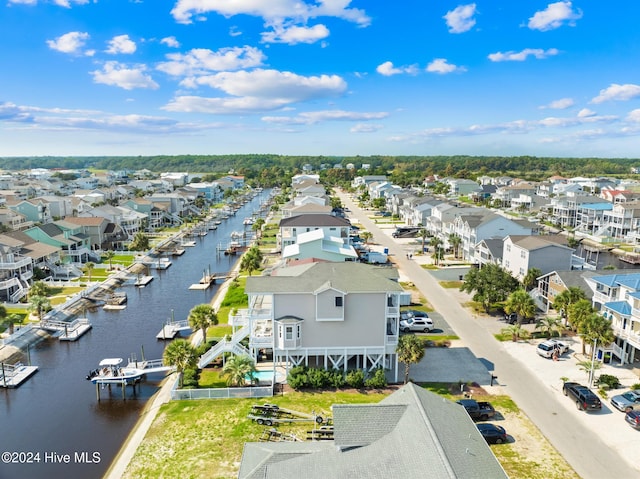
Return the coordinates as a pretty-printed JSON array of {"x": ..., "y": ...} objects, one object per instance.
[{"x": 111, "y": 371}]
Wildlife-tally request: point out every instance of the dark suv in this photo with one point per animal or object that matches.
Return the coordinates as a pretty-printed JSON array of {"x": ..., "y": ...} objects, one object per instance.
[{"x": 585, "y": 398}]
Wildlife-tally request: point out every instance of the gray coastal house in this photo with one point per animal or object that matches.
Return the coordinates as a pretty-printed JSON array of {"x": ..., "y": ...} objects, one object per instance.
[
  {"x": 411, "y": 434},
  {"x": 320, "y": 314}
]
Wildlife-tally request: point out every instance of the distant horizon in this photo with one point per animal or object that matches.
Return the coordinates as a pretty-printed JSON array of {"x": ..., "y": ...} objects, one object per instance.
[{"x": 549, "y": 79}]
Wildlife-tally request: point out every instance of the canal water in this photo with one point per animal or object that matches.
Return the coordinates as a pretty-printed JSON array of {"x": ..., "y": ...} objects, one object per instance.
[{"x": 53, "y": 426}]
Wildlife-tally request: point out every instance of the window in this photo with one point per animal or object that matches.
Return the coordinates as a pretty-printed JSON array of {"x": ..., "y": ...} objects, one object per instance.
[
  {"x": 523, "y": 254},
  {"x": 288, "y": 333},
  {"x": 298, "y": 331},
  {"x": 338, "y": 301},
  {"x": 508, "y": 248}
]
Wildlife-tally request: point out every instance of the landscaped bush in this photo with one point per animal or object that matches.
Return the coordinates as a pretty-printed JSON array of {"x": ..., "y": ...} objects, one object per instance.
[
  {"x": 190, "y": 378},
  {"x": 610, "y": 380},
  {"x": 355, "y": 379},
  {"x": 377, "y": 381},
  {"x": 297, "y": 378},
  {"x": 635, "y": 386},
  {"x": 204, "y": 347}
]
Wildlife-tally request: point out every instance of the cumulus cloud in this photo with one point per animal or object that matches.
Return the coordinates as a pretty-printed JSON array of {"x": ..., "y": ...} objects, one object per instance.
[
  {"x": 560, "y": 104},
  {"x": 365, "y": 128},
  {"x": 387, "y": 69},
  {"x": 554, "y": 16},
  {"x": 121, "y": 44},
  {"x": 257, "y": 90},
  {"x": 460, "y": 19},
  {"x": 201, "y": 60},
  {"x": 12, "y": 112},
  {"x": 298, "y": 11},
  {"x": 634, "y": 116},
  {"x": 296, "y": 34},
  {"x": 440, "y": 65},
  {"x": 617, "y": 92},
  {"x": 71, "y": 42},
  {"x": 585, "y": 112},
  {"x": 170, "y": 42},
  {"x": 309, "y": 118},
  {"x": 118, "y": 74},
  {"x": 522, "y": 55}
]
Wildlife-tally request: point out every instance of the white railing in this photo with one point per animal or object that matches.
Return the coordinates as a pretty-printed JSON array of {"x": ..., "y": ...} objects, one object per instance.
[{"x": 226, "y": 393}]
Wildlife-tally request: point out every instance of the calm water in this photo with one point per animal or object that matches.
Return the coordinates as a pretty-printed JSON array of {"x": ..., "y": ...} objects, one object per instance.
[{"x": 56, "y": 412}]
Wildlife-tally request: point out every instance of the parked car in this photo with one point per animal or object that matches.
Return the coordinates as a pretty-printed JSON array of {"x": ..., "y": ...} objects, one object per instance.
[
  {"x": 478, "y": 410},
  {"x": 626, "y": 402},
  {"x": 547, "y": 348},
  {"x": 585, "y": 398},
  {"x": 412, "y": 313},
  {"x": 416, "y": 324},
  {"x": 492, "y": 433},
  {"x": 633, "y": 418},
  {"x": 512, "y": 318}
]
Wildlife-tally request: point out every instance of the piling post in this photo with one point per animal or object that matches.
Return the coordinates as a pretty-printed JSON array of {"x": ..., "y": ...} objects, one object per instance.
[{"x": 98, "y": 390}]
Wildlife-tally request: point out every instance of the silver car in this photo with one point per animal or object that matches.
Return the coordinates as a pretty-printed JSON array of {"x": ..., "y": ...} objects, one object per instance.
[
  {"x": 416, "y": 324},
  {"x": 627, "y": 401}
]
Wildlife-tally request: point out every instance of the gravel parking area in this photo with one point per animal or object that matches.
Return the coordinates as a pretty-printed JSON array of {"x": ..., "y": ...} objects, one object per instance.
[{"x": 609, "y": 423}]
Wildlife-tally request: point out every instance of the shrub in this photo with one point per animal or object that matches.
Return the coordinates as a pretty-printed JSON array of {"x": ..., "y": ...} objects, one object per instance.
[
  {"x": 190, "y": 378},
  {"x": 318, "y": 378},
  {"x": 610, "y": 380},
  {"x": 377, "y": 381},
  {"x": 297, "y": 378},
  {"x": 355, "y": 379},
  {"x": 635, "y": 386},
  {"x": 336, "y": 378},
  {"x": 204, "y": 347}
]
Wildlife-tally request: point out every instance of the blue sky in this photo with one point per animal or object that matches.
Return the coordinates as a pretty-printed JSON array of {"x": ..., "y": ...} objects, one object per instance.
[{"x": 331, "y": 77}]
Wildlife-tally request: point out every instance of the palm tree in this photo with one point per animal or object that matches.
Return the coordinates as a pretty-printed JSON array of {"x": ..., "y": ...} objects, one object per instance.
[
  {"x": 237, "y": 368},
  {"x": 515, "y": 330},
  {"x": 251, "y": 260},
  {"x": 565, "y": 299},
  {"x": 531, "y": 278},
  {"x": 366, "y": 236},
  {"x": 423, "y": 234},
  {"x": 549, "y": 326},
  {"x": 455, "y": 241},
  {"x": 3, "y": 318},
  {"x": 88, "y": 266},
  {"x": 436, "y": 243},
  {"x": 579, "y": 312},
  {"x": 410, "y": 350},
  {"x": 201, "y": 317},
  {"x": 39, "y": 305},
  {"x": 39, "y": 288},
  {"x": 180, "y": 354},
  {"x": 108, "y": 255},
  {"x": 595, "y": 328},
  {"x": 522, "y": 304},
  {"x": 257, "y": 226}
]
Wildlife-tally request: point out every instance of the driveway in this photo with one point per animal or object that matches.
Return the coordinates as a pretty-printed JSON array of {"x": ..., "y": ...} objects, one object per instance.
[{"x": 590, "y": 451}]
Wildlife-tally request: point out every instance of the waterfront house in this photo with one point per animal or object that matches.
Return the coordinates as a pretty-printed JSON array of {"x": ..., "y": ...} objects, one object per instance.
[
  {"x": 410, "y": 434},
  {"x": 291, "y": 227},
  {"x": 321, "y": 314},
  {"x": 318, "y": 246},
  {"x": 554, "y": 283},
  {"x": 524, "y": 252}
]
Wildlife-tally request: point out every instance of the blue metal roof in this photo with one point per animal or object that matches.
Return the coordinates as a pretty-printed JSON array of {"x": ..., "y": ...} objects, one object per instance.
[
  {"x": 620, "y": 307},
  {"x": 630, "y": 280}
]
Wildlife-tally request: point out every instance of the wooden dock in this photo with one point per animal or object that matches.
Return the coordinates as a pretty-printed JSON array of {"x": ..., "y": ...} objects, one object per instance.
[
  {"x": 171, "y": 330},
  {"x": 142, "y": 281},
  {"x": 67, "y": 330},
  {"x": 209, "y": 279}
]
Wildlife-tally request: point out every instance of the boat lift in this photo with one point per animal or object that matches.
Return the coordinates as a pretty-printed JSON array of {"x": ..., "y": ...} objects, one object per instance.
[{"x": 270, "y": 414}]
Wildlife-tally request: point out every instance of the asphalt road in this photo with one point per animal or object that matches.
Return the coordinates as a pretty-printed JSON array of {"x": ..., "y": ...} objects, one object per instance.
[{"x": 589, "y": 456}]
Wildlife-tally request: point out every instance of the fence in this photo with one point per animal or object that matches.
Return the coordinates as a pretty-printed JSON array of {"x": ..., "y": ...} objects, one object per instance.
[{"x": 221, "y": 393}]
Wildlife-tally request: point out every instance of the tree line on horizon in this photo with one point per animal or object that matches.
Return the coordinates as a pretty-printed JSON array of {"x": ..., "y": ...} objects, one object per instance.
[{"x": 273, "y": 170}]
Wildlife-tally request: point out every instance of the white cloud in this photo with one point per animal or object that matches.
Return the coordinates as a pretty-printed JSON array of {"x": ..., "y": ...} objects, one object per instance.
[
  {"x": 618, "y": 92},
  {"x": 256, "y": 91},
  {"x": 440, "y": 65},
  {"x": 309, "y": 118},
  {"x": 274, "y": 10},
  {"x": 121, "y": 44},
  {"x": 71, "y": 42},
  {"x": 560, "y": 104},
  {"x": 117, "y": 74},
  {"x": 12, "y": 112},
  {"x": 170, "y": 42},
  {"x": 554, "y": 16},
  {"x": 287, "y": 86},
  {"x": 460, "y": 19},
  {"x": 585, "y": 112},
  {"x": 200, "y": 60},
  {"x": 634, "y": 116},
  {"x": 387, "y": 69},
  {"x": 522, "y": 55},
  {"x": 365, "y": 128},
  {"x": 294, "y": 34}
]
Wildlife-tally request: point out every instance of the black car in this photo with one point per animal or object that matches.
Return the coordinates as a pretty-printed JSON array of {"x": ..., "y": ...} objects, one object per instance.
[
  {"x": 633, "y": 418},
  {"x": 492, "y": 433},
  {"x": 585, "y": 398}
]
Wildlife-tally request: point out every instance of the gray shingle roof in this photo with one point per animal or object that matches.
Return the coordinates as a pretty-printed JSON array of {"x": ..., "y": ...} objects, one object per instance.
[
  {"x": 442, "y": 442},
  {"x": 314, "y": 220},
  {"x": 348, "y": 277}
]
